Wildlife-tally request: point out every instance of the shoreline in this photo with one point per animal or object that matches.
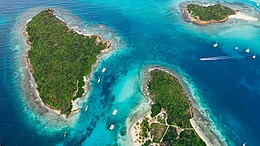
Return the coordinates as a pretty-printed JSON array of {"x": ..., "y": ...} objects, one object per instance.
[
  {"x": 199, "y": 122},
  {"x": 32, "y": 86},
  {"x": 239, "y": 14}
]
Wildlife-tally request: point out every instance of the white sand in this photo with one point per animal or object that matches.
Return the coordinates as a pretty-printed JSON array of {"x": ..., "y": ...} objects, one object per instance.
[
  {"x": 75, "y": 104},
  {"x": 242, "y": 16}
]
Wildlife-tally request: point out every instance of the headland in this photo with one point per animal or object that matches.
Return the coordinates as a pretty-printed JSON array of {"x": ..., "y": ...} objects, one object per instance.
[{"x": 173, "y": 119}]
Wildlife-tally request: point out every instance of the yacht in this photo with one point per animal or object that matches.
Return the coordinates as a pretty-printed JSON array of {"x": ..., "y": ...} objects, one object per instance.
[
  {"x": 254, "y": 57},
  {"x": 111, "y": 127},
  {"x": 247, "y": 50},
  {"x": 98, "y": 80},
  {"x": 103, "y": 70},
  {"x": 114, "y": 112},
  {"x": 215, "y": 45}
]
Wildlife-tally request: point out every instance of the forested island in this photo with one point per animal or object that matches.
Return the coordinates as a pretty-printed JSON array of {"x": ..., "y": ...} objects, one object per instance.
[
  {"x": 168, "y": 122},
  {"x": 59, "y": 58},
  {"x": 204, "y": 15}
]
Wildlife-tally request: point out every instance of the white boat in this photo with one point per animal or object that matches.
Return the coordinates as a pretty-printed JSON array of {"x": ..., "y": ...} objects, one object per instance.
[
  {"x": 103, "y": 70},
  {"x": 111, "y": 127},
  {"x": 114, "y": 112},
  {"x": 247, "y": 50},
  {"x": 254, "y": 56},
  {"x": 215, "y": 45},
  {"x": 86, "y": 108},
  {"x": 236, "y": 48},
  {"x": 65, "y": 134},
  {"x": 244, "y": 144},
  {"x": 257, "y": 4},
  {"x": 98, "y": 80}
]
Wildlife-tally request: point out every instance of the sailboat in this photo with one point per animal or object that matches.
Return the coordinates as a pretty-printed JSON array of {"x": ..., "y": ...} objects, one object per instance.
[
  {"x": 215, "y": 45},
  {"x": 247, "y": 50},
  {"x": 114, "y": 112},
  {"x": 86, "y": 109},
  {"x": 111, "y": 127},
  {"x": 103, "y": 70}
]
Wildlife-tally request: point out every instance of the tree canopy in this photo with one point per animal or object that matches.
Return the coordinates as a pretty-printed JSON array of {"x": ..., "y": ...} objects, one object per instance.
[{"x": 60, "y": 58}]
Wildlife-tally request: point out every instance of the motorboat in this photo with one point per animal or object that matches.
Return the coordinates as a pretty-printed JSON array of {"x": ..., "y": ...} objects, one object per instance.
[
  {"x": 111, "y": 127},
  {"x": 114, "y": 112},
  {"x": 98, "y": 80},
  {"x": 254, "y": 56},
  {"x": 236, "y": 48}
]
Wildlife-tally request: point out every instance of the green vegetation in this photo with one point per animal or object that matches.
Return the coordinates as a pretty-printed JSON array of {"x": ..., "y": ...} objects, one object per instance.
[
  {"x": 168, "y": 93},
  {"x": 186, "y": 137},
  {"x": 156, "y": 109},
  {"x": 60, "y": 58},
  {"x": 216, "y": 12},
  {"x": 145, "y": 128},
  {"x": 157, "y": 131},
  {"x": 147, "y": 143}
]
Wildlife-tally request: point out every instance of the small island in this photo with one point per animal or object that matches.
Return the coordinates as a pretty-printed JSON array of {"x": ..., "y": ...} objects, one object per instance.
[
  {"x": 59, "y": 59},
  {"x": 168, "y": 122},
  {"x": 203, "y": 15}
]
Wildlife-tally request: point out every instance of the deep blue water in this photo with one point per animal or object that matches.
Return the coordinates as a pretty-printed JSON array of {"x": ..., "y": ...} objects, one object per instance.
[{"x": 151, "y": 33}]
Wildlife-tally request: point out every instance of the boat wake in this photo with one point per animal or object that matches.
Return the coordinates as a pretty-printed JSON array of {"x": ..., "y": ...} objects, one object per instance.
[{"x": 220, "y": 58}]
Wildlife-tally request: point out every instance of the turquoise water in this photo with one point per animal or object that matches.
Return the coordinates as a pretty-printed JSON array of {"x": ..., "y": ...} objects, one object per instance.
[{"x": 145, "y": 33}]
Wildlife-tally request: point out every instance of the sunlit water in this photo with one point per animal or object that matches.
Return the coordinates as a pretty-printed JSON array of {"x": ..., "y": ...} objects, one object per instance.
[{"x": 144, "y": 33}]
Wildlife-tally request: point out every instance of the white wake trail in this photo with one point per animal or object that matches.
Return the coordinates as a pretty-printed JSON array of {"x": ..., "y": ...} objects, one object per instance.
[{"x": 220, "y": 58}]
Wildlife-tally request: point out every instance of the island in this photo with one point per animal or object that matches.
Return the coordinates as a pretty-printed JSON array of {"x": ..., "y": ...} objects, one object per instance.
[
  {"x": 59, "y": 59},
  {"x": 207, "y": 14},
  {"x": 169, "y": 121}
]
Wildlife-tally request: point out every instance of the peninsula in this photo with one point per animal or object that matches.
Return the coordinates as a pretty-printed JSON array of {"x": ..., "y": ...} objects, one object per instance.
[
  {"x": 59, "y": 58},
  {"x": 168, "y": 122},
  {"x": 207, "y": 14}
]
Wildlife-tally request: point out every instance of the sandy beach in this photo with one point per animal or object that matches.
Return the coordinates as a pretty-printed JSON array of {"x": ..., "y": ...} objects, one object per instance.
[
  {"x": 33, "y": 95},
  {"x": 242, "y": 16},
  {"x": 201, "y": 125}
]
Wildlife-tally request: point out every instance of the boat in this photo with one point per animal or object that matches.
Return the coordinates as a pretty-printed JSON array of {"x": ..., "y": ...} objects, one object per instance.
[
  {"x": 65, "y": 134},
  {"x": 86, "y": 108},
  {"x": 247, "y": 50},
  {"x": 103, "y": 70},
  {"x": 114, "y": 112},
  {"x": 111, "y": 127},
  {"x": 254, "y": 56},
  {"x": 257, "y": 4},
  {"x": 215, "y": 45},
  {"x": 98, "y": 80},
  {"x": 244, "y": 144},
  {"x": 236, "y": 48}
]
